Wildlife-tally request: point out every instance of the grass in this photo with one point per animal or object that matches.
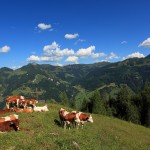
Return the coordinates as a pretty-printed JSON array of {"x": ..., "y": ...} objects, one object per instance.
[{"x": 39, "y": 132}]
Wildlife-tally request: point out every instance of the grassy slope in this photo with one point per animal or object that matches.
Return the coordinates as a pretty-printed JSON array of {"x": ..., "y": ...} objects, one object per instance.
[{"x": 105, "y": 133}]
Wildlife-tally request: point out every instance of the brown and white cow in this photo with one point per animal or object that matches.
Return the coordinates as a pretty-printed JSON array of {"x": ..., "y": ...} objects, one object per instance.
[
  {"x": 67, "y": 118},
  {"x": 27, "y": 103},
  {"x": 61, "y": 117},
  {"x": 13, "y": 100},
  {"x": 9, "y": 125},
  {"x": 83, "y": 118},
  {"x": 23, "y": 110},
  {"x": 4, "y": 111},
  {"x": 9, "y": 118}
]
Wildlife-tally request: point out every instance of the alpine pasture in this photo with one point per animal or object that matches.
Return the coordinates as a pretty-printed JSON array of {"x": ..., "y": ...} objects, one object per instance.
[{"x": 41, "y": 130}]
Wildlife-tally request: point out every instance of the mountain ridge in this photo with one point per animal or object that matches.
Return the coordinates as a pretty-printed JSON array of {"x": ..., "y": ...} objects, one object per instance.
[{"x": 55, "y": 79}]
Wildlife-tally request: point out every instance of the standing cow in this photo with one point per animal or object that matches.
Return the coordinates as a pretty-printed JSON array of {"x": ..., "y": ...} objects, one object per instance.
[
  {"x": 83, "y": 118},
  {"x": 13, "y": 101},
  {"x": 67, "y": 118}
]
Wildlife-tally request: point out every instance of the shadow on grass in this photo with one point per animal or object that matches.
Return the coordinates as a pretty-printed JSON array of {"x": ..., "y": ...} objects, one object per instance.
[{"x": 57, "y": 122}]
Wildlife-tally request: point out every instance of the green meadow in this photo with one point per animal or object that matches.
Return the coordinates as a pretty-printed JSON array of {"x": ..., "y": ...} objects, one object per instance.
[{"x": 39, "y": 131}]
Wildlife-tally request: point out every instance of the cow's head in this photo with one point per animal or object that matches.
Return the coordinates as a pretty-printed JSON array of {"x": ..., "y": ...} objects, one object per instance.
[
  {"x": 90, "y": 119},
  {"x": 15, "y": 124}
]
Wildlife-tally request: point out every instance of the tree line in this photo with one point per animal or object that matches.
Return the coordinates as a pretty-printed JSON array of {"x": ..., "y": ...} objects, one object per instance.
[{"x": 132, "y": 107}]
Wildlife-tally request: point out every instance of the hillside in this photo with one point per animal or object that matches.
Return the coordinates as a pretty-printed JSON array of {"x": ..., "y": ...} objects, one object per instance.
[
  {"x": 38, "y": 132},
  {"x": 52, "y": 80}
]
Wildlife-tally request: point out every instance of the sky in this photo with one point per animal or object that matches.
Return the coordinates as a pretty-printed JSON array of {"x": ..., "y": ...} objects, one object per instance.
[{"x": 62, "y": 32}]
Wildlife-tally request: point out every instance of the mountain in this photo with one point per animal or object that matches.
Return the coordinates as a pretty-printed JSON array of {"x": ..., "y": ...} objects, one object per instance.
[
  {"x": 52, "y": 80},
  {"x": 133, "y": 72}
]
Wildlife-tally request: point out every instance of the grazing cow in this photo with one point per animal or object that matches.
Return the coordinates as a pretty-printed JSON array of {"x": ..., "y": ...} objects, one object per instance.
[
  {"x": 83, "y": 118},
  {"x": 24, "y": 110},
  {"x": 13, "y": 101},
  {"x": 9, "y": 125},
  {"x": 6, "y": 111},
  {"x": 66, "y": 118},
  {"x": 40, "y": 109}
]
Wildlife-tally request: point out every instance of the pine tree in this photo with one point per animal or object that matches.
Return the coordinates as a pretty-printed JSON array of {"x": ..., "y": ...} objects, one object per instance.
[
  {"x": 123, "y": 103},
  {"x": 84, "y": 106},
  {"x": 97, "y": 104},
  {"x": 146, "y": 105},
  {"x": 64, "y": 99}
]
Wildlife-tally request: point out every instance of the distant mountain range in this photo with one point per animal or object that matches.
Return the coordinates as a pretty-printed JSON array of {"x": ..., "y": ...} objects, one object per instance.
[{"x": 52, "y": 80}]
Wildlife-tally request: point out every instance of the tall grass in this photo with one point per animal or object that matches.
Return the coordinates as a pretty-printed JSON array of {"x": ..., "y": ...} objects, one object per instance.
[{"x": 39, "y": 132}]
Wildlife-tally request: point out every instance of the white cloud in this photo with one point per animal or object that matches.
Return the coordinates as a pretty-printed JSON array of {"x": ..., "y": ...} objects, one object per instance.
[
  {"x": 72, "y": 59},
  {"x": 96, "y": 55},
  {"x": 71, "y": 36},
  {"x": 112, "y": 56},
  {"x": 85, "y": 52},
  {"x": 5, "y": 49},
  {"x": 44, "y": 26},
  {"x": 136, "y": 54},
  {"x": 34, "y": 58},
  {"x": 49, "y": 48},
  {"x": 54, "y": 50},
  {"x": 79, "y": 40},
  {"x": 145, "y": 43},
  {"x": 124, "y": 42}
]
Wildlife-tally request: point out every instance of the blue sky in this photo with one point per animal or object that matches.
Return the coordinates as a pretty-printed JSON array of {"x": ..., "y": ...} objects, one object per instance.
[{"x": 61, "y": 32}]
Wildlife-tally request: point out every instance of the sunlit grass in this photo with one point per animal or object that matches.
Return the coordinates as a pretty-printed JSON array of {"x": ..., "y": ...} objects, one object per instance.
[{"x": 38, "y": 132}]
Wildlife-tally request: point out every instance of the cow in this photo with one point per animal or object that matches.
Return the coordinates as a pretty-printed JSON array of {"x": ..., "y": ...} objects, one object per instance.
[
  {"x": 61, "y": 117},
  {"x": 6, "y": 111},
  {"x": 40, "y": 108},
  {"x": 13, "y": 101},
  {"x": 83, "y": 118},
  {"x": 66, "y": 118},
  {"x": 23, "y": 110},
  {"x": 9, "y": 118},
  {"x": 27, "y": 103},
  {"x": 9, "y": 125}
]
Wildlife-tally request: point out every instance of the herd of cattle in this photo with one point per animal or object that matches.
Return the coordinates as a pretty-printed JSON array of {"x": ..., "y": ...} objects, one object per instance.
[{"x": 21, "y": 105}]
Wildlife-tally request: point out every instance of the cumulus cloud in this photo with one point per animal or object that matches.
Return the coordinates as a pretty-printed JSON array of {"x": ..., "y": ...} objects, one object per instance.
[
  {"x": 96, "y": 55},
  {"x": 54, "y": 53},
  {"x": 71, "y": 36},
  {"x": 145, "y": 43},
  {"x": 44, "y": 26},
  {"x": 72, "y": 59},
  {"x": 85, "y": 52},
  {"x": 136, "y": 54},
  {"x": 112, "y": 56},
  {"x": 4, "y": 49},
  {"x": 51, "y": 47},
  {"x": 54, "y": 50},
  {"x": 34, "y": 58}
]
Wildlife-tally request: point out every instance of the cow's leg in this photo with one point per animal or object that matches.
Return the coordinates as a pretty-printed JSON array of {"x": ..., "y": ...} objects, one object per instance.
[
  {"x": 82, "y": 124},
  {"x": 18, "y": 103},
  {"x": 7, "y": 105},
  {"x": 78, "y": 124},
  {"x": 62, "y": 121},
  {"x": 68, "y": 125},
  {"x": 65, "y": 124}
]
